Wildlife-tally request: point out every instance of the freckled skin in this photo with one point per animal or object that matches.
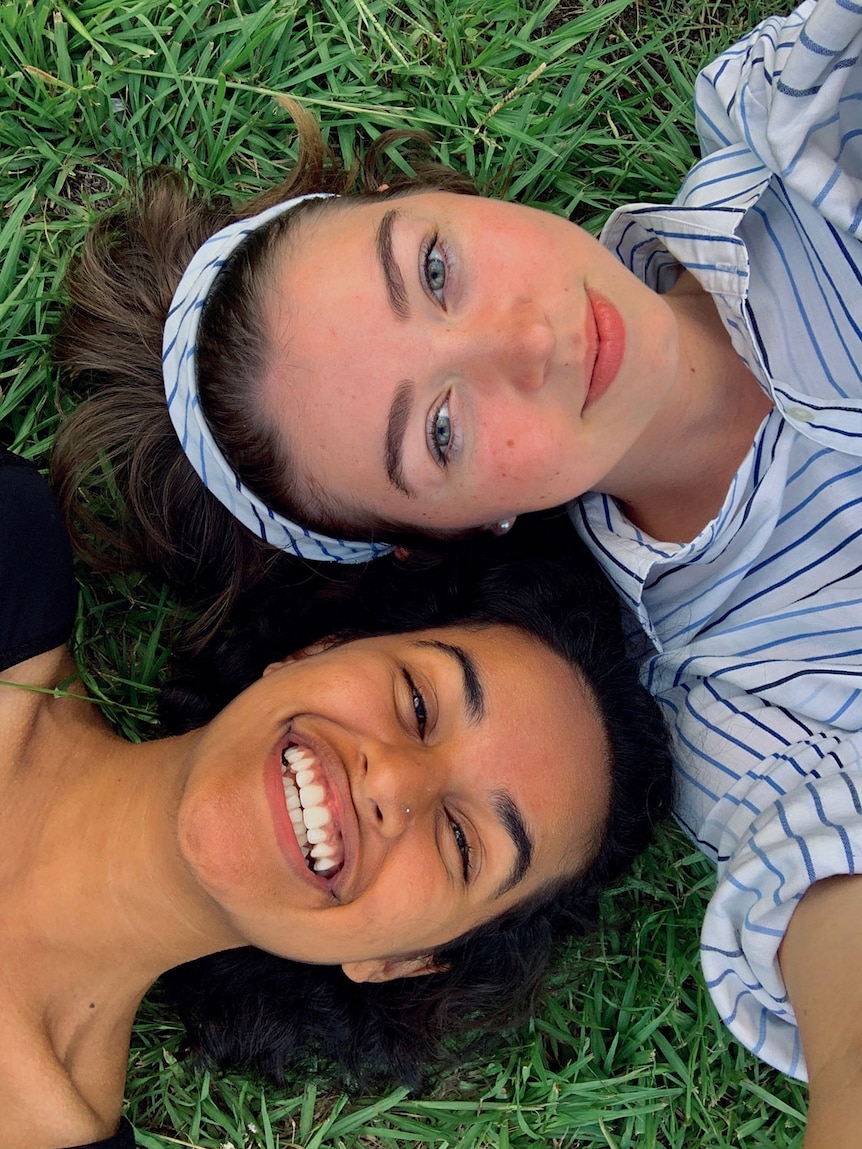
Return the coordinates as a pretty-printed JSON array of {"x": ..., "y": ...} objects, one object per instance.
[
  {"x": 401, "y": 893},
  {"x": 508, "y": 344}
]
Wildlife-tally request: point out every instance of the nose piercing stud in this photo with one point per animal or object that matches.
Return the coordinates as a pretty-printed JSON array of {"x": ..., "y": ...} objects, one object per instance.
[{"x": 406, "y": 809}]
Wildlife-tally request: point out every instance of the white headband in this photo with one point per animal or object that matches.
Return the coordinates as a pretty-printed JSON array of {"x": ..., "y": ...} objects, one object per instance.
[{"x": 179, "y": 368}]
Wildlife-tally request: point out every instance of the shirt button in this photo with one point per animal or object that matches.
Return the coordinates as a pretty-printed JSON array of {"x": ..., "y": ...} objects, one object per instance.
[{"x": 800, "y": 414}]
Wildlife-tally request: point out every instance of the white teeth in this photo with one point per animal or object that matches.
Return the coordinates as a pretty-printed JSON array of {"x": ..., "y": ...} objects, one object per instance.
[
  {"x": 316, "y": 817},
  {"x": 323, "y": 850},
  {"x": 312, "y": 795},
  {"x": 305, "y": 797}
]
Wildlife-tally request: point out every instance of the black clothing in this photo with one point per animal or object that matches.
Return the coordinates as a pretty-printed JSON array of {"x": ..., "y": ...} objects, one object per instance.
[
  {"x": 37, "y": 586},
  {"x": 124, "y": 1138},
  {"x": 37, "y": 598}
]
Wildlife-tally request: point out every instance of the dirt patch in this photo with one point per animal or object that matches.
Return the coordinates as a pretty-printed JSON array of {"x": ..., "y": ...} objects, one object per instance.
[{"x": 84, "y": 184}]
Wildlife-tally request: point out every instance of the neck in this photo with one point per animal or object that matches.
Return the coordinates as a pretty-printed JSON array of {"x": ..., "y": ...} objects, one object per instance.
[
  {"x": 95, "y": 901},
  {"x": 95, "y": 867},
  {"x": 677, "y": 478}
]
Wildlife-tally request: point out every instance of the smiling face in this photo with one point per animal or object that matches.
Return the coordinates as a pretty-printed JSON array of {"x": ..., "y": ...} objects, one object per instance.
[
  {"x": 457, "y": 360},
  {"x": 448, "y": 775}
]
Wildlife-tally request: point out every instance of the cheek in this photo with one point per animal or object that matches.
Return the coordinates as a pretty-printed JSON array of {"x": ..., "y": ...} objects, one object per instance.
[
  {"x": 523, "y": 447},
  {"x": 217, "y": 842},
  {"x": 410, "y": 905}
]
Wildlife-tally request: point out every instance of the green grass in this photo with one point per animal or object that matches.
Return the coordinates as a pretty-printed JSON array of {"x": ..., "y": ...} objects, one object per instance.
[{"x": 577, "y": 107}]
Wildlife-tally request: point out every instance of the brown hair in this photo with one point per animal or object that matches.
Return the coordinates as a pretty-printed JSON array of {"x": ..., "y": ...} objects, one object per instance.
[{"x": 126, "y": 489}]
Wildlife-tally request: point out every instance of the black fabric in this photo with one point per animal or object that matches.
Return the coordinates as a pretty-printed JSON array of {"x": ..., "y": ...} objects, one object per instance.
[
  {"x": 37, "y": 585},
  {"x": 37, "y": 598},
  {"x": 124, "y": 1138}
]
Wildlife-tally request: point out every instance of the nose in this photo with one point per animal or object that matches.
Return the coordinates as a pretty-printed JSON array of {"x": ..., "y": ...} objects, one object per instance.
[
  {"x": 398, "y": 787},
  {"x": 509, "y": 345}
]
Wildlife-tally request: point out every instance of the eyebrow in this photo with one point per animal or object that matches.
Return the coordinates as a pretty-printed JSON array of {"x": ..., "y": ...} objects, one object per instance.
[
  {"x": 394, "y": 280},
  {"x": 513, "y": 823},
  {"x": 474, "y": 694},
  {"x": 393, "y": 443},
  {"x": 503, "y": 804}
]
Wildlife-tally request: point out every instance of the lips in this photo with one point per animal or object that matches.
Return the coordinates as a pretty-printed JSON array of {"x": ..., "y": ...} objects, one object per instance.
[
  {"x": 606, "y": 331},
  {"x": 315, "y": 830}
]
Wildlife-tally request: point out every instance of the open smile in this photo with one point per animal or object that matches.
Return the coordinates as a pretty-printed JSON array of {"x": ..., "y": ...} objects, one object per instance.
[{"x": 309, "y": 806}]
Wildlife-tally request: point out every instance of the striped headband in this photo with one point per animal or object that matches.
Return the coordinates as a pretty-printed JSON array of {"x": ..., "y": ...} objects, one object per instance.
[{"x": 179, "y": 368}]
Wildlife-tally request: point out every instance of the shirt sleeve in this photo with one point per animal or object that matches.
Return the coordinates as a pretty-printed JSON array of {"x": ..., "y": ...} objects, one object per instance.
[
  {"x": 787, "y": 98},
  {"x": 778, "y": 804}
]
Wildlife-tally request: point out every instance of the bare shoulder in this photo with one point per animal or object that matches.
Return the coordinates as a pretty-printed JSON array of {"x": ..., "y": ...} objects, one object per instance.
[
  {"x": 44, "y": 671},
  {"x": 40, "y": 1105},
  {"x": 27, "y": 698}
]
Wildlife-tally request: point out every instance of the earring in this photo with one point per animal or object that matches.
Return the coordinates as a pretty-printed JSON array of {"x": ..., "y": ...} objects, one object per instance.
[{"x": 503, "y": 527}]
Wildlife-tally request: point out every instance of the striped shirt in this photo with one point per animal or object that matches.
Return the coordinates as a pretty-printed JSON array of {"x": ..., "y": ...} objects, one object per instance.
[{"x": 752, "y": 632}]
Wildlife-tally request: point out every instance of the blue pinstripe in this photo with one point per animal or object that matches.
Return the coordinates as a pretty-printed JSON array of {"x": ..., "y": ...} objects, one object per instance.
[{"x": 756, "y": 625}]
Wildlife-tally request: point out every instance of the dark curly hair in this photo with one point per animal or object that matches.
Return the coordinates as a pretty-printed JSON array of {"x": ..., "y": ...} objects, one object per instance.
[{"x": 249, "y": 1008}]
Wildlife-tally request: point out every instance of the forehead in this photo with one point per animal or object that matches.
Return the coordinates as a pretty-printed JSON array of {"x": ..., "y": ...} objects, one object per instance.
[
  {"x": 339, "y": 357},
  {"x": 521, "y": 674},
  {"x": 333, "y": 360},
  {"x": 327, "y": 236},
  {"x": 326, "y": 271},
  {"x": 531, "y": 694}
]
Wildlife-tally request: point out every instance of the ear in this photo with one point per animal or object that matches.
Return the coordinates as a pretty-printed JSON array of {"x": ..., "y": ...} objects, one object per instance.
[
  {"x": 306, "y": 652},
  {"x": 402, "y": 553},
  {"x": 388, "y": 969}
]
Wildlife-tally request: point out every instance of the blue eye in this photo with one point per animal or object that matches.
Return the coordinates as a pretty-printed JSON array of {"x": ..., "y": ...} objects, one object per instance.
[
  {"x": 462, "y": 844},
  {"x": 434, "y": 270},
  {"x": 441, "y": 432}
]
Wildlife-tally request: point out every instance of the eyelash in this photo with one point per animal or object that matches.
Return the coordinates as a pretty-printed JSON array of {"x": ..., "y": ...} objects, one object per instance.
[
  {"x": 429, "y": 245},
  {"x": 421, "y": 712},
  {"x": 464, "y": 847},
  {"x": 418, "y": 702}
]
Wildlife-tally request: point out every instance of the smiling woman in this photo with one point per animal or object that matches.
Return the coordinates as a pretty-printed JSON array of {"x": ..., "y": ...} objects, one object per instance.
[
  {"x": 425, "y": 802},
  {"x": 529, "y": 771},
  {"x": 420, "y": 768}
]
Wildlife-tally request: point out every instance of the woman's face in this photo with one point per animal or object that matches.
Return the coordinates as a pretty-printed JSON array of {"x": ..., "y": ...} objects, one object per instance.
[
  {"x": 448, "y": 774},
  {"x": 443, "y": 361}
]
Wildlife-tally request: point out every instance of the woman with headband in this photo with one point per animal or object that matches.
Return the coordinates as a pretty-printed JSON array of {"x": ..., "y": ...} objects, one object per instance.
[
  {"x": 423, "y": 363},
  {"x": 423, "y": 809}
]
